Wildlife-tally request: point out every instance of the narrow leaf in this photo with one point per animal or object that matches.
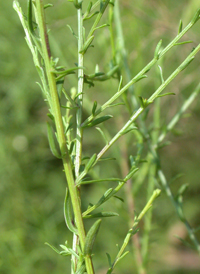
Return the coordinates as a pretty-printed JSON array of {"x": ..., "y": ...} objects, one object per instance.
[
  {"x": 94, "y": 108},
  {"x": 29, "y": 17},
  {"x": 182, "y": 43},
  {"x": 81, "y": 270},
  {"x": 48, "y": 6},
  {"x": 123, "y": 255},
  {"x": 98, "y": 121},
  {"x": 101, "y": 214},
  {"x": 109, "y": 259},
  {"x": 101, "y": 180},
  {"x": 52, "y": 143},
  {"x": 196, "y": 17},
  {"x": 91, "y": 15},
  {"x": 119, "y": 198},
  {"x": 166, "y": 94},
  {"x": 105, "y": 196},
  {"x": 91, "y": 162},
  {"x": 157, "y": 50},
  {"x": 73, "y": 33},
  {"x": 130, "y": 174},
  {"x": 90, "y": 238},
  {"x": 68, "y": 214},
  {"x": 102, "y": 26},
  {"x": 140, "y": 78},
  {"x": 161, "y": 74},
  {"x": 180, "y": 26},
  {"x": 103, "y": 135},
  {"x": 54, "y": 248},
  {"x": 87, "y": 44}
]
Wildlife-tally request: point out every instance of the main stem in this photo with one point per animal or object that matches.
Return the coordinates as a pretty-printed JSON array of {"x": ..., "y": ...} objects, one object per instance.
[{"x": 60, "y": 129}]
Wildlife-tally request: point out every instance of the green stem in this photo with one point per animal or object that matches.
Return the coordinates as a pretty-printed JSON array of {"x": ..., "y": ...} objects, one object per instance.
[
  {"x": 79, "y": 131},
  {"x": 98, "y": 18},
  {"x": 60, "y": 129},
  {"x": 141, "y": 73},
  {"x": 150, "y": 100},
  {"x": 179, "y": 211},
  {"x": 131, "y": 231}
]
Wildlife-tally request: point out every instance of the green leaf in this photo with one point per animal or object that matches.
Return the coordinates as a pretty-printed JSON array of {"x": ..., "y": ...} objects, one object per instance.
[
  {"x": 81, "y": 269},
  {"x": 52, "y": 143},
  {"x": 29, "y": 17},
  {"x": 87, "y": 45},
  {"x": 196, "y": 17},
  {"x": 101, "y": 214},
  {"x": 73, "y": 33},
  {"x": 119, "y": 198},
  {"x": 182, "y": 43},
  {"x": 161, "y": 75},
  {"x": 180, "y": 26},
  {"x": 101, "y": 180},
  {"x": 98, "y": 121},
  {"x": 166, "y": 94},
  {"x": 157, "y": 50},
  {"x": 94, "y": 108},
  {"x": 130, "y": 174},
  {"x": 54, "y": 248},
  {"x": 140, "y": 78},
  {"x": 144, "y": 102},
  {"x": 121, "y": 257},
  {"x": 102, "y": 26},
  {"x": 109, "y": 259},
  {"x": 48, "y": 6},
  {"x": 91, "y": 15},
  {"x": 87, "y": 10},
  {"x": 182, "y": 189},
  {"x": 105, "y": 196},
  {"x": 68, "y": 214},
  {"x": 77, "y": 4},
  {"x": 102, "y": 134},
  {"x": 91, "y": 236},
  {"x": 106, "y": 159},
  {"x": 91, "y": 162}
]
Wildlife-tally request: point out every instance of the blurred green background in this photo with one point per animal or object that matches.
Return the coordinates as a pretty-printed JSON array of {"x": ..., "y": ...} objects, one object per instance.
[{"x": 32, "y": 184}]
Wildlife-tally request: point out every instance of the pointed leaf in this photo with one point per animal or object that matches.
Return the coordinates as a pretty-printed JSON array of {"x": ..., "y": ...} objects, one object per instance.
[
  {"x": 94, "y": 108},
  {"x": 54, "y": 248},
  {"x": 101, "y": 180},
  {"x": 196, "y": 17},
  {"x": 91, "y": 236},
  {"x": 157, "y": 50},
  {"x": 130, "y": 174},
  {"x": 48, "y": 6},
  {"x": 68, "y": 214},
  {"x": 100, "y": 215},
  {"x": 98, "y": 121},
  {"x": 91, "y": 162},
  {"x": 109, "y": 259},
  {"x": 165, "y": 94},
  {"x": 52, "y": 143},
  {"x": 182, "y": 43},
  {"x": 103, "y": 135},
  {"x": 87, "y": 44},
  {"x": 180, "y": 26},
  {"x": 119, "y": 198}
]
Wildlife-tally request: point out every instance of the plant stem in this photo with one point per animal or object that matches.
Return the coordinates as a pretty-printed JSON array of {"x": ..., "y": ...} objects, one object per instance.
[
  {"x": 79, "y": 131},
  {"x": 60, "y": 130},
  {"x": 141, "y": 73},
  {"x": 150, "y": 100},
  {"x": 131, "y": 231}
]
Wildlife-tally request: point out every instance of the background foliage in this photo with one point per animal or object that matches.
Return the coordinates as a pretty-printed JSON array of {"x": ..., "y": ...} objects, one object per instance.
[{"x": 32, "y": 185}]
